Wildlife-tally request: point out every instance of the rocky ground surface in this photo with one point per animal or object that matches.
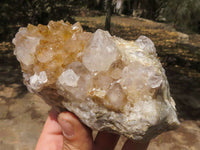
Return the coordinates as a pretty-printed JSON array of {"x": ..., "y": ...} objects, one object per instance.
[{"x": 23, "y": 114}]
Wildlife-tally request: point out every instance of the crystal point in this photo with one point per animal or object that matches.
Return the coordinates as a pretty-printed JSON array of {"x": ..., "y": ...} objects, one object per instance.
[{"x": 100, "y": 53}]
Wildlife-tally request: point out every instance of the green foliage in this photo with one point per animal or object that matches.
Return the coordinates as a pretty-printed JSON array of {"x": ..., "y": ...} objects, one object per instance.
[
  {"x": 185, "y": 14},
  {"x": 15, "y": 13}
]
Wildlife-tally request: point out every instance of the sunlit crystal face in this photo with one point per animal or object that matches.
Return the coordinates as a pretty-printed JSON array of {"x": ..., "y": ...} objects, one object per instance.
[
  {"x": 82, "y": 65},
  {"x": 69, "y": 78},
  {"x": 100, "y": 53}
]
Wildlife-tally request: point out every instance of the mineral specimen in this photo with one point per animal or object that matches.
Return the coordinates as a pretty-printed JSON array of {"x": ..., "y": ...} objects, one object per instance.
[{"x": 109, "y": 83}]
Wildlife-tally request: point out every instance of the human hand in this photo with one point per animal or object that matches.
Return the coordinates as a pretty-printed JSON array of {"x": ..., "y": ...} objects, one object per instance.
[{"x": 66, "y": 132}]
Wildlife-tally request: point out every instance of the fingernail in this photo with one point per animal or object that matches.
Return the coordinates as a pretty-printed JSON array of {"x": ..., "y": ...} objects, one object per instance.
[{"x": 67, "y": 127}]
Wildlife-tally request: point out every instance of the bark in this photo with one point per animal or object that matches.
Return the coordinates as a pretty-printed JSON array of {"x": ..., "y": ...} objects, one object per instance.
[{"x": 108, "y": 14}]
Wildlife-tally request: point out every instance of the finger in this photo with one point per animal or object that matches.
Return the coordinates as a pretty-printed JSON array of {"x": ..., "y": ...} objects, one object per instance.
[
  {"x": 76, "y": 135},
  {"x": 132, "y": 145},
  {"x": 51, "y": 136},
  {"x": 106, "y": 141}
]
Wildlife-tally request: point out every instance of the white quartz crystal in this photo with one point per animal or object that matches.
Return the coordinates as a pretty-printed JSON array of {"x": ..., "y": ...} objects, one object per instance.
[
  {"x": 146, "y": 44},
  {"x": 100, "y": 53},
  {"x": 154, "y": 79},
  {"x": 69, "y": 78},
  {"x": 26, "y": 46},
  {"x": 37, "y": 81},
  {"x": 116, "y": 96},
  {"x": 77, "y": 81}
]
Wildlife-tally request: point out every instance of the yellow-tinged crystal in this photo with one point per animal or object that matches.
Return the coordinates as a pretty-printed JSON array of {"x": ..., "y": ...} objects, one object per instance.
[
  {"x": 56, "y": 48},
  {"x": 113, "y": 74}
]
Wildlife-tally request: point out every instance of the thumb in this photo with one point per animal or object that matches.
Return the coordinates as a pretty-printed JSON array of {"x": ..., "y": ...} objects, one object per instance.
[{"x": 76, "y": 135}]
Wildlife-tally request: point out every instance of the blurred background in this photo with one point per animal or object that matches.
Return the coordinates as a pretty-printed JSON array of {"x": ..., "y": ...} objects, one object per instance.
[{"x": 173, "y": 25}]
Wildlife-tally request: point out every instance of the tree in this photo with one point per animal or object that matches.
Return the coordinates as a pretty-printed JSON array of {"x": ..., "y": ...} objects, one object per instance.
[
  {"x": 108, "y": 14},
  {"x": 185, "y": 14},
  {"x": 15, "y": 13}
]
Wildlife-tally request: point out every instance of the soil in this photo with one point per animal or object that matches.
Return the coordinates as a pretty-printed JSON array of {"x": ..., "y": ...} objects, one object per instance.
[{"x": 22, "y": 114}]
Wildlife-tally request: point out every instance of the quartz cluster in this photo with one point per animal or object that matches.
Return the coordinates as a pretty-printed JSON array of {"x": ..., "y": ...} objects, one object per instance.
[{"x": 109, "y": 83}]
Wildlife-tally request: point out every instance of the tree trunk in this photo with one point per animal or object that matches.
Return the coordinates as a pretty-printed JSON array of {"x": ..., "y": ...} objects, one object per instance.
[
  {"x": 108, "y": 14},
  {"x": 91, "y": 3}
]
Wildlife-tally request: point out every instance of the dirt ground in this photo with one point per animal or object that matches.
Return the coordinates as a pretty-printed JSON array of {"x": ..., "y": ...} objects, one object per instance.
[{"x": 22, "y": 114}]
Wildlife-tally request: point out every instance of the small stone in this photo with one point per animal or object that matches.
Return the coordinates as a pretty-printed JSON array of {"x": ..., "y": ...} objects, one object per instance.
[{"x": 109, "y": 83}]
